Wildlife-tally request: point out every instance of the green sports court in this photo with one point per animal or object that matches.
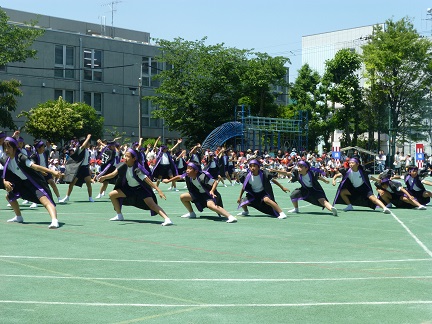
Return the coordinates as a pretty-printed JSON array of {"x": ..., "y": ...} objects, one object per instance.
[{"x": 361, "y": 267}]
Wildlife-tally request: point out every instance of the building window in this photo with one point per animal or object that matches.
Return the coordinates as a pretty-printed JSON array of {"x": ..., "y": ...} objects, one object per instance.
[
  {"x": 94, "y": 99},
  {"x": 147, "y": 120},
  {"x": 64, "y": 62},
  {"x": 92, "y": 65},
  {"x": 67, "y": 95},
  {"x": 2, "y": 68},
  {"x": 150, "y": 68}
]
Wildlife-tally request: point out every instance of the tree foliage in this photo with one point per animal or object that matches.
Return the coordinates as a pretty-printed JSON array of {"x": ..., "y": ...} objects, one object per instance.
[
  {"x": 15, "y": 46},
  {"x": 307, "y": 95},
  {"x": 59, "y": 120},
  {"x": 343, "y": 86},
  {"x": 205, "y": 82},
  {"x": 398, "y": 63}
]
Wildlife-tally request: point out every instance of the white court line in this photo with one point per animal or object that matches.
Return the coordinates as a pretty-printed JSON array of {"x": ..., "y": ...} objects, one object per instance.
[
  {"x": 401, "y": 302},
  {"x": 210, "y": 262},
  {"x": 218, "y": 279},
  {"x": 424, "y": 247}
]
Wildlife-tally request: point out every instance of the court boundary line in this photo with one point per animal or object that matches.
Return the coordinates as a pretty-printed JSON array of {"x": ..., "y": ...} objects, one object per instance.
[
  {"x": 372, "y": 303},
  {"x": 218, "y": 279},
  {"x": 418, "y": 241},
  {"x": 210, "y": 262}
]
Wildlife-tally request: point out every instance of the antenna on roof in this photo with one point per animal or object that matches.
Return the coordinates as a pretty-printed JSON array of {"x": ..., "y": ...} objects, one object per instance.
[{"x": 111, "y": 6}]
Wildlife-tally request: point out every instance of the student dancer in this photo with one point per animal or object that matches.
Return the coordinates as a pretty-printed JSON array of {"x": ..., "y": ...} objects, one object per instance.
[
  {"x": 414, "y": 181},
  {"x": 108, "y": 161},
  {"x": 355, "y": 188},
  {"x": 259, "y": 192},
  {"x": 392, "y": 193},
  {"x": 223, "y": 161},
  {"x": 22, "y": 178},
  {"x": 41, "y": 158},
  {"x": 310, "y": 190},
  {"x": 134, "y": 188},
  {"x": 165, "y": 167},
  {"x": 202, "y": 192},
  {"x": 77, "y": 169}
]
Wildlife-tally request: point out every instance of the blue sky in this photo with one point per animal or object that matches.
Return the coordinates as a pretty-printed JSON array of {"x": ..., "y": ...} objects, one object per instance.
[{"x": 271, "y": 26}]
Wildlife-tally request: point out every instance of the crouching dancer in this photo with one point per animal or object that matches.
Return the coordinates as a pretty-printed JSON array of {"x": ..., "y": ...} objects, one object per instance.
[
  {"x": 202, "y": 192},
  {"x": 355, "y": 188},
  {"x": 134, "y": 188},
  {"x": 310, "y": 190},
  {"x": 22, "y": 178},
  {"x": 259, "y": 192}
]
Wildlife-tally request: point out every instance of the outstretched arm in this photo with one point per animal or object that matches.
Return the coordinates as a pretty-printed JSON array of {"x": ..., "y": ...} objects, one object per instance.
[{"x": 87, "y": 140}]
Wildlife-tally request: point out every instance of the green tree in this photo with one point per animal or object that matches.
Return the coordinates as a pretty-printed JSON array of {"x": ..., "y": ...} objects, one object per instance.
[
  {"x": 398, "y": 63},
  {"x": 306, "y": 93},
  {"x": 342, "y": 85},
  {"x": 203, "y": 83},
  {"x": 261, "y": 74},
  {"x": 15, "y": 46},
  {"x": 59, "y": 120}
]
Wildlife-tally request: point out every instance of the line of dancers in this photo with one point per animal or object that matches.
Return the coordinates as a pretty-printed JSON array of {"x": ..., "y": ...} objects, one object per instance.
[{"x": 27, "y": 176}]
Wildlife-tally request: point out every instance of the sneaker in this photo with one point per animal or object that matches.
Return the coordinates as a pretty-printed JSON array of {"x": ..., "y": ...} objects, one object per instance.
[
  {"x": 389, "y": 205},
  {"x": 8, "y": 205},
  {"x": 231, "y": 219},
  {"x": 334, "y": 211},
  {"x": 170, "y": 188},
  {"x": 54, "y": 224},
  {"x": 100, "y": 196},
  {"x": 25, "y": 202},
  {"x": 189, "y": 215},
  {"x": 118, "y": 217},
  {"x": 225, "y": 185},
  {"x": 16, "y": 219},
  {"x": 167, "y": 222},
  {"x": 386, "y": 210},
  {"x": 91, "y": 199},
  {"x": 34, "y": 205},
  {"x": 294, "y": 211},
  {"x": 176, "y": 189},
  {"x": 282, "y": 216},
  {"x": 348, "y": 208},
  {"x": 243, "y": 213},
  {"x": 421, "y": 207},
  {"x": 65, "y": 199}
]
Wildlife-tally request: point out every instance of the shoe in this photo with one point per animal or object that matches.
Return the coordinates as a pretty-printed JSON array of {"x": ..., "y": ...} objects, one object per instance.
[
  {"x": 348, "y": 208},
  {"x": 54, "y": 224},
  {"x": 225, "y": 185},
  {"x": 167, "y": 222},
  {"x": 25, "y": 202},
  {"x": 189, "y": 215},
  {"x": 91, "y": 199},
  {"x": 16, "y": 219},
  {"x": 243, "y": 213},
  {"x": 334, "y": 211},
  {"x": 170, "y": 188},
  {"x": 34, "y": 205},
  {"x": 65, "y": 199},
  {"x": 389, "y": 205},
  {"x": 282, "y": 216},
  {"x": 8, "y": 205},
  {"x": 231, "y": 219},
  {"x": 100, "y": 196},
  {"x": 176, "y": 189},
  {"x": 294, "y": 211},
  {"x": 118, "y": 217},
  {"x": 421, "y": 207},
  {"x": 386, "y": 210}
]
